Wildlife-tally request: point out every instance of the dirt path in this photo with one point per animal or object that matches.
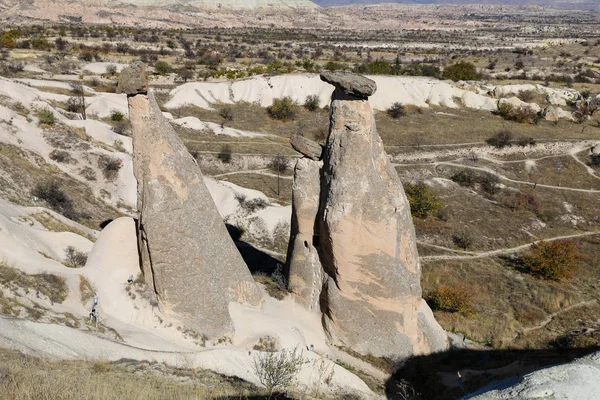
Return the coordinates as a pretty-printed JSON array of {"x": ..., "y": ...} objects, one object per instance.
[
  {"x": 503, "y": 177},
  {"x": 556, "y": 314},
  {"x": 473, "y": 255}
]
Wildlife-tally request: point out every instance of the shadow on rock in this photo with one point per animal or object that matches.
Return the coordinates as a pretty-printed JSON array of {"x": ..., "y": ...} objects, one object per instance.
[{"x": 458, "y": 372}]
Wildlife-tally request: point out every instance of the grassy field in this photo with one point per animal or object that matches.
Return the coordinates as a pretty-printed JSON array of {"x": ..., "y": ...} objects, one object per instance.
[{"x": 25, "y": 378}]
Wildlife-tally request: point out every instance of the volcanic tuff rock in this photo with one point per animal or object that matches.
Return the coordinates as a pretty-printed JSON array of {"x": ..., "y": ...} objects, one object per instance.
[
  {"x": 353, "y": 251},
  {"x": 306, "y": 147},
  {"x": 187, "y": 255},
  {"x": 350, "y": 83}
]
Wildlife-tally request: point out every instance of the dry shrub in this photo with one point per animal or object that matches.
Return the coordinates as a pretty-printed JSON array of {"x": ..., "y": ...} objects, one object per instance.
[
  {"x": 521, "y": 114},
  {"x": 52, "y": 193},
  {"x": 452, "y": 298},
  {"x": 86, "y": 290},
  {"x": 396, "y": 111},
  {"x": 501, "y": 139},
  {"x": 52, "y": 286},
  {"x": 74, "y": 258},
  {"x": 110, "y": 167},
  {"x": 552, "y": 260},
  {"x": 283, "y": 109},
  {"x": 266, "y": 343}
]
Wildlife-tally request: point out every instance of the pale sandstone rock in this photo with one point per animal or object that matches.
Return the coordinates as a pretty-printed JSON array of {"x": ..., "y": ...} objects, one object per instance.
[
  {"x": 187, "y": 255},
  {"x": 360, "y": 227},
  {"x": 551, "y": 114},
  {"x": 577, "y": 380}
]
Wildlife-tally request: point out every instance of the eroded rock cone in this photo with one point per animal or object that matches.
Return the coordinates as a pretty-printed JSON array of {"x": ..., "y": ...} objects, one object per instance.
[
  {"x": 187, "y": 255},
  {"x": 353, "y": 246}
]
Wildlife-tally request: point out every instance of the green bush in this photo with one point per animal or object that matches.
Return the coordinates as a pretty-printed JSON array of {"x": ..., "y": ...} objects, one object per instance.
[
  {"x": 283, "y": 109},
  {"x": 552, "y": 260},
  {"x": 116, "y": 116},
  {"x": 376, "y": 67},
  {"x": 461, "y": 71},
  {"x": 162, "y": 67},
  {"x": 422, "y": 202},
  {"x": 45, "y": 116}
]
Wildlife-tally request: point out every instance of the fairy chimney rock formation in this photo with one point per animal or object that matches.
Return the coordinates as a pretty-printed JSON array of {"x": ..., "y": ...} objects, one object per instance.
[
  {"x": 188, "y": 257},
  {"x": 353, "y": 254}
]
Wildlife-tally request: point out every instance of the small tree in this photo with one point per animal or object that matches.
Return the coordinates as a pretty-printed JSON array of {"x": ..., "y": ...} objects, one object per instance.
[
  {"x": 79, "y": 93},
  {"x": 111, "y": 69},
  {"x": 422, "y": 202},
  {"x": 312, "y": 102},
  {"x": 162, "y": 67},
  {"x": 278, "y": 370},
  {"x": 279, "y": 163},
  {"x": 396, "y": 111},
  {"x": 226, "y": 113},
  {"x": 552, "y": 260},
  {"x": 225, "y": 154},
  {"x": 74, "y": 258},
  {"x": 282, "y": 108},
  {"x": 185, "y": 74}
]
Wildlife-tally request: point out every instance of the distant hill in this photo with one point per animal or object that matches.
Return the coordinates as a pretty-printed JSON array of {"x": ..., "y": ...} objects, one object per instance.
[{"x": 587, "y": 5}]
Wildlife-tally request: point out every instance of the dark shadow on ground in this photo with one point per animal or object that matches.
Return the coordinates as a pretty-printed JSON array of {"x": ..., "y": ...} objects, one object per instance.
[
  {"x": 258, "y": 261},
  {"x": 435, "y": 376}
]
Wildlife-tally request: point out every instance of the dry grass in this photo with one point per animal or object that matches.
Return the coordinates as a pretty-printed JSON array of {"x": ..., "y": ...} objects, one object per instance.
[
  {"x": 87, "y": 291},
  {"x": 51, "y": 286},
  {"x": 55, "y": 225},
  {"x": 23, "y": 170},
  {"x": 508, "y": 301},
  {"x": 466, "y": 126},
  {"x": 25, "y": 378}
]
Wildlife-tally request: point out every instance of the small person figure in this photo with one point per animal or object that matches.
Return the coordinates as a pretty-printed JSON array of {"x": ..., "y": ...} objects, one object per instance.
[
  {"x": 130, "y": 279},
  {"x": 94, "y": 315},
  {"x": 95, "y": 302},
  {"x": 312, "y": 347}
]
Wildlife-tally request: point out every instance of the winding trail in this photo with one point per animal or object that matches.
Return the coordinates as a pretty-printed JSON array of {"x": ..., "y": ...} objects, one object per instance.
[
  {"x": 551, "y": 317},
  {"x": 474, "y": 255}
]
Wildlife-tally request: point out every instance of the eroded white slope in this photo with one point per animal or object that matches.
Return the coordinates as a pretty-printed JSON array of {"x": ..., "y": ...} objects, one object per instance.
[{"x": 390, "y": 89}]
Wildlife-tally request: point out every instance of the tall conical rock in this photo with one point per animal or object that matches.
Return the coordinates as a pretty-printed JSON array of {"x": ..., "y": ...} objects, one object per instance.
[
  {"x": 187, "y": 255},
  {"x": 367, "y": 271}
]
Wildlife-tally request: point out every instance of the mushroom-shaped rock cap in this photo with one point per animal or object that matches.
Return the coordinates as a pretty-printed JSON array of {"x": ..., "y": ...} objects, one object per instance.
[
  {"x": 306, "y": 147},
  {"x": 132, "y": 79},
  {"x": 350, "y": 83}
]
